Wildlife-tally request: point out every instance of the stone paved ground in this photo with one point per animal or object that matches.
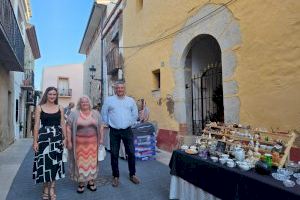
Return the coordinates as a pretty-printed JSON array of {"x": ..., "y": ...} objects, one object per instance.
[
  {"x": 153, "y": 174},
  {"x": 10, "y": 161}
]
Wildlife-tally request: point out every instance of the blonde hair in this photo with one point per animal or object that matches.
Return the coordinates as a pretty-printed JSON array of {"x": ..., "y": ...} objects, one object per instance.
[{"x": 79, "y": 101}]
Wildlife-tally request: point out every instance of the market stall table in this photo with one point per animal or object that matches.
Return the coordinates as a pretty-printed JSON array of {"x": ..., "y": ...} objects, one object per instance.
[{"x": 223, "y": 182}]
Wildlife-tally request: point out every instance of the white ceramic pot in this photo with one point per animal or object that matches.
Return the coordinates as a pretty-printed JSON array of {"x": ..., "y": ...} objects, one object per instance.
[
  {"x": 239, "y": 154},
  {"x": 230, "y": 163}
]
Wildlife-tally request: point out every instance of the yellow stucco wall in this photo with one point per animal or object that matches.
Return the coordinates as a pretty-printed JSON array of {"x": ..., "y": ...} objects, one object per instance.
[
  {"x": 268, "y": 64},
  {"x": 268, "y": 71}
]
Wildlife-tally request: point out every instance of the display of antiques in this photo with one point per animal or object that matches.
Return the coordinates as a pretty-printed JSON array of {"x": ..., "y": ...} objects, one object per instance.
[{"x": 235, "y": 145}]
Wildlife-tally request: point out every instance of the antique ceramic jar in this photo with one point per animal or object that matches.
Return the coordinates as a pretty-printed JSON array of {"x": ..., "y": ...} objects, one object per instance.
[{"x": 239, "y": 154}]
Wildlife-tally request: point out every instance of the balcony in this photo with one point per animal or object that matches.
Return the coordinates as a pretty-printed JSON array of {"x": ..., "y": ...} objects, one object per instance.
[
  {"x": 63, "y": 92},
  {"x": 11, "y": 41},
  {"x": 28, "y": 82},
  {"x": 30, "y": 98},
  {"x": 114, "y": 61}
]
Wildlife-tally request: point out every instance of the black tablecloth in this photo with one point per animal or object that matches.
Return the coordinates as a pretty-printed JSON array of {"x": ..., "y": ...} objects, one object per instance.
[{"x": 229, "y": 183}]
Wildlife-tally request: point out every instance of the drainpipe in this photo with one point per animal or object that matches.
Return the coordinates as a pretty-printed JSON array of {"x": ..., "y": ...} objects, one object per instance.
[
  {"x": 101, "y": 56},
  {"x": 102, "y": 74}
]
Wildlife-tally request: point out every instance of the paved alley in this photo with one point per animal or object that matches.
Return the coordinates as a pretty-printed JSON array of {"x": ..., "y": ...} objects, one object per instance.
[{"x": 154, "y": 176}]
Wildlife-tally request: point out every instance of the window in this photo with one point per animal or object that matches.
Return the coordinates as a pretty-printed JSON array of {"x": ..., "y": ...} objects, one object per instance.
[
  {"x": 63, "y": 87},
  {"x": 113, "y": 57},
  {"x": 156, "y": 79},
  {"x": 139, "y": 5}
]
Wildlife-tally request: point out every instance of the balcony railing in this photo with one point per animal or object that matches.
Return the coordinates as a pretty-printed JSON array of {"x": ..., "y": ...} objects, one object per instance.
[
  {"x": 28, "y": 82},
  {"x": 11, "y": 41},
  {"x": 62, "y": 92},
  {"x": 114, "y": 61},
  {"x": 30, "y": 98}
]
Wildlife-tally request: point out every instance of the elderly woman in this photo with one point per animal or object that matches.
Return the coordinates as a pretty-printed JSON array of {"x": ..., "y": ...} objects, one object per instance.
[
  {"x": 143, "y": 110},
  {"x": 84, "y": 135}
]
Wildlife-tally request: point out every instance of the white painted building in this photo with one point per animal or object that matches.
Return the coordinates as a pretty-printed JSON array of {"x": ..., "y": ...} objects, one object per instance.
[
  {"x": 17, "y": 55},
  {"x": 91, "y": 46},
  {"x": 68, "y": 79},
  {"x": 100, "y": 45}
]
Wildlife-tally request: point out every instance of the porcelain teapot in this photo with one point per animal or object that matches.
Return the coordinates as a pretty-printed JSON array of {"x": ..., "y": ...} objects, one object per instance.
[{"x": 239, "y": 153}]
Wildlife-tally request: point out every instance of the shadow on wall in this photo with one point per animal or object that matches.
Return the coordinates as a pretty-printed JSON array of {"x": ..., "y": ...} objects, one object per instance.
[{"x": 169, "y": 101}]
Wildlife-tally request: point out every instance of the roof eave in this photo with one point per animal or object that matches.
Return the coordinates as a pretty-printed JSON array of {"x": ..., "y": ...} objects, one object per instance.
[{"x": 89, "y": 28}]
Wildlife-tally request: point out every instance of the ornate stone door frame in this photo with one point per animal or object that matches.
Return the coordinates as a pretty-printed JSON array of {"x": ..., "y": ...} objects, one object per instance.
[{"x": 225, "y": 28}]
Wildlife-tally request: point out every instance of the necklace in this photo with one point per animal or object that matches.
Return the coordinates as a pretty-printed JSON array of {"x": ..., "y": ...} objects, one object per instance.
[{"x": 85, "y": 117}]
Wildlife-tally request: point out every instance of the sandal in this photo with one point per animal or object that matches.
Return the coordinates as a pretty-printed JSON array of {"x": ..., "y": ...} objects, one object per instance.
[
  {"x": 91, "y": 186},
  {"x": 52, "y": 194},
  {"x": 80, "y": 188},
  {"x": 53, "y": 197},
  {"x": 45, "y": 195}
]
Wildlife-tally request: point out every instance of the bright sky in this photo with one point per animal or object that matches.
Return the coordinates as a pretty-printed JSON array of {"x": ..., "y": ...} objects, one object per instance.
[{"x": 60, "y": 25}]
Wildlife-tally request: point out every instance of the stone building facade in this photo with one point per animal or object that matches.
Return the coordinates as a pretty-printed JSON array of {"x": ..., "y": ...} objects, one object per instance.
[{"x": 172, "y": 49}]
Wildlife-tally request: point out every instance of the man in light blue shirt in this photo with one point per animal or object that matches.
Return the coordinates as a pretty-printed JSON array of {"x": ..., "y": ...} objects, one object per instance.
[{"x": 119, "y": 113}]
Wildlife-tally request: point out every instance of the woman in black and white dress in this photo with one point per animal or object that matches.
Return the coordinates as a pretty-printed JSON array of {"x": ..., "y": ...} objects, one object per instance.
[{"x": 48, "y": 143}]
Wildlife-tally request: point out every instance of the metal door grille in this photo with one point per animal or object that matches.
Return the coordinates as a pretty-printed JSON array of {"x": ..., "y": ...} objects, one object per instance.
[{"x": 207, "y": 98}]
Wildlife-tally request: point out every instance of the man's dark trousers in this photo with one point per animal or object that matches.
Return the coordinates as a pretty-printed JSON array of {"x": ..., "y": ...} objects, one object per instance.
[{"x": 126, "y": 135}]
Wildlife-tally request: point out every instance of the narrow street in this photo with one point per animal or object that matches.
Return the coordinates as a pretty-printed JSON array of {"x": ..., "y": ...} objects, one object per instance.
[
  {"x": 154, "y": 177},
  {"x": 202, "y": 93}
]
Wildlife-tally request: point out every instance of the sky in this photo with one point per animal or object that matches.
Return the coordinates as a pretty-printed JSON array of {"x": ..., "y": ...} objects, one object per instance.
[{"x": 60, "y": 25}]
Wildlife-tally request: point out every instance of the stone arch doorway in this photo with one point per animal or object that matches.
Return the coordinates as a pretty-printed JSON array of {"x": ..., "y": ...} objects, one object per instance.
[
  {"x": 224, "y": 27},
  {"x": 203, "y": 83}
]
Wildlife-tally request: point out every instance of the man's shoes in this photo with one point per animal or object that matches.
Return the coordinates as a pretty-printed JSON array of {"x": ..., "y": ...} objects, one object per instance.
[
  {"x": 115, "y": 182},
  {"x": 134, "y": 179}
]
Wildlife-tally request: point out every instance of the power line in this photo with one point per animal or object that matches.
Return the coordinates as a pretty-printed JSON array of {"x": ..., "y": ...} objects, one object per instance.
[{"x": 207, "y": 16}]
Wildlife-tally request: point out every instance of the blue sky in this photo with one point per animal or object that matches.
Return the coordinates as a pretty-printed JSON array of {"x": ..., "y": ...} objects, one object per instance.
[{"x": 60, "y": 25}]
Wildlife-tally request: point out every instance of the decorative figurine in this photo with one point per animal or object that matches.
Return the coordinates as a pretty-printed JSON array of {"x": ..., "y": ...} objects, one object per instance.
[
  {"x": 224, "y": 138},
  {"x": 209, "y": 135},
  {"x": 250, "y": 153},
  {"x": 256, "y": 146},
  {"x": 251, "y": 143}
]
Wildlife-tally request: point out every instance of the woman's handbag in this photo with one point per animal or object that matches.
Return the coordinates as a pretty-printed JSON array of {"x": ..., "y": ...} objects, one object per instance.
[
  {"x": 101, "y": 153},
  {"x": 65, "y": 155}
]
